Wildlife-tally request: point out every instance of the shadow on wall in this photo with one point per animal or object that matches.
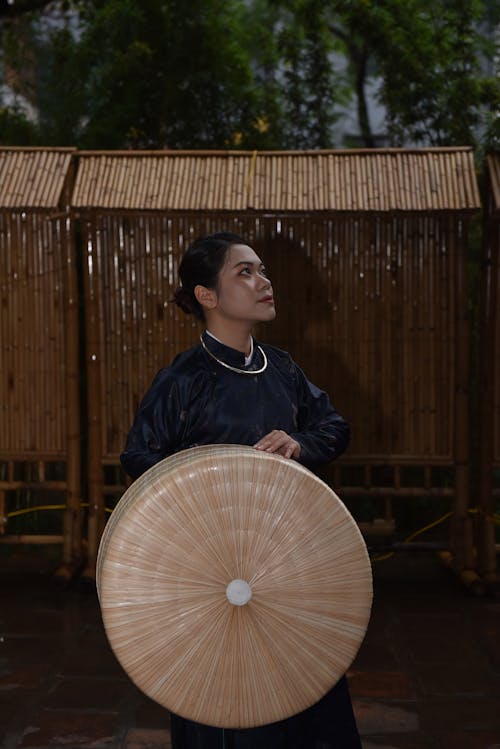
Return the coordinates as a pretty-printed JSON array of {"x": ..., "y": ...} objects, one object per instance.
[{"x": 312, "y": 310}]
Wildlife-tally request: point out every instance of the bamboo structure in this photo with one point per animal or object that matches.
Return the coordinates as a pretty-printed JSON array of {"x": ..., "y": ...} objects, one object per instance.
[
  {"x": 489, "y": 376},
  {"x": 39, "y": 373},
  {"x": 366, "y": 251}
]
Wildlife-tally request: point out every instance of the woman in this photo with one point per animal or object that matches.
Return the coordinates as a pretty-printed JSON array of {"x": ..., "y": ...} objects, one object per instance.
[{"x": 230, "y": 390}]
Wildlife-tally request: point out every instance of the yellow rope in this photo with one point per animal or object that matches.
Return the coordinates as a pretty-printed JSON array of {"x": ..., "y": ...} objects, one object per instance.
[
  {"x": 472, "y": 511},
  {"x": 37, "y": 508},
  {"x": 26, "y": 510},
  {"x": 428, "y": 527},
  {"x": 383, "y": 557}
]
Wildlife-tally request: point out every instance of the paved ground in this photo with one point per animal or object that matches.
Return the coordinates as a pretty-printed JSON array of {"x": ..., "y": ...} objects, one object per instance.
[{"x": 427, "y": 675}]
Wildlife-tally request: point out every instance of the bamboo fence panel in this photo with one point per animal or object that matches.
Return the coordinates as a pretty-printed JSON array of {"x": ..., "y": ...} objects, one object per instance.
[
  {"x": 376, "y": 325},
  {"x": 366, "y": 252},
  {"x": 33, "y": 343},
  {"x": 39, "y": 428},
  {"x": 365, "y": 318}
]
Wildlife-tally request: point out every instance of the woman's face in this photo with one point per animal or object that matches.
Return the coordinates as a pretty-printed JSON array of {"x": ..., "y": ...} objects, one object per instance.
[{"x": 244, "y": 292}]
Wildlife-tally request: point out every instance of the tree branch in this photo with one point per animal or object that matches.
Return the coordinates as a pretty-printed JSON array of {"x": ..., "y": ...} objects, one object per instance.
[
  {"x": 359, "y": 58},
  {"x": 339, "y": 33}
]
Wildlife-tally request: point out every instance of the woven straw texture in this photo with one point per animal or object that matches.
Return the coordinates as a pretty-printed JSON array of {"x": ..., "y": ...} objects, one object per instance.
[
  {"x": 181, "y": 534},
  {"x": 353, "y": 180}
]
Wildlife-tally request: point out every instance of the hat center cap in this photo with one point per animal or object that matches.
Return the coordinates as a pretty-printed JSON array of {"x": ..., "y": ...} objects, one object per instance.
[{"x": 238, "y": 592}]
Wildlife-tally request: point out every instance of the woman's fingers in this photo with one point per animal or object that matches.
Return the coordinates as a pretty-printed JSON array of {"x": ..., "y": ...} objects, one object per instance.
[{"x": 279, "y": 442}]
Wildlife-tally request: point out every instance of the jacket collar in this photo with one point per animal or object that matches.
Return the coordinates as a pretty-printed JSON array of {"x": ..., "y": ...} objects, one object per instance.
[{"x": 229, "y": 355}]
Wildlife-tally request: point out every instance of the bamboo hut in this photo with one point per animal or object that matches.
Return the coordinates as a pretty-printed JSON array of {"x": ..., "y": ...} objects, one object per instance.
[
  {"x": 366, "y": 250},
  {"x": 40, "y": 425},
  {"x": 489, "y": 377}
]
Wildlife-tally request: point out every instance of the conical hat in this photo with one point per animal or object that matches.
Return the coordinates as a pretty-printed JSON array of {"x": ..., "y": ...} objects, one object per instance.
[{"x": 235, "y": 586}]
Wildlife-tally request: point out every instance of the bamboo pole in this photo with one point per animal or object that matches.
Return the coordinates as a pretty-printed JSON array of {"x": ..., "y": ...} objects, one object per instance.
[
  {"x": 73, "y": 515},
  {"x": 94, "y": 405},
  {"x": 18, "y": 374},
  {"x": 32, "y": 538},
  {"x": 488, "y": 370},
  {"x": 3, "y": 513},
  {"x": 38, "y": 400},
  {"x": 462, "y": 535}
]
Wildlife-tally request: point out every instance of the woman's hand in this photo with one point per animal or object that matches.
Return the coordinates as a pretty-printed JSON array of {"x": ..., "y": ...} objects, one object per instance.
[{"x": 279, "y": 442}]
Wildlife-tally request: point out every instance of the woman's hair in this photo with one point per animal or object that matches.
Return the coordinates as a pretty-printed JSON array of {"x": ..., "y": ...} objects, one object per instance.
[{"x": 201, "y": 265}]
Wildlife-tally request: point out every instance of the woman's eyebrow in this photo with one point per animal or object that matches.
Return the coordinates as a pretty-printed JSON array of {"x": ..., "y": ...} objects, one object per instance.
[{"x": 247, "y": 262}]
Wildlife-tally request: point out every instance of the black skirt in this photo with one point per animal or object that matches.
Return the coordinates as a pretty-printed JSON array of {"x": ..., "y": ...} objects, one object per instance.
[{"x": 329, "y": 724}]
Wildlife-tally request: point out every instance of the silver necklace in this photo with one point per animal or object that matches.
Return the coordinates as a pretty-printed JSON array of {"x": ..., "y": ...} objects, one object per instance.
[{"x": 235, "y": 369}]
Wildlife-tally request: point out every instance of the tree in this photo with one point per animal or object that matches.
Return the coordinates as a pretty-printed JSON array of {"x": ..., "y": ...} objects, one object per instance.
[
  {"x": 143, "y": 75},
  {"x": 248, "y": 73},
  {"x": 433, "y": 87},
  {"x": 16, "y": 129},
  {"x": 310, "y": 86},
  {"x": 38, "y": 70},
  {"x": 59, "y": 89},
  {"x": 161, "y": 77},
  {"x": 428, "y": 57}
]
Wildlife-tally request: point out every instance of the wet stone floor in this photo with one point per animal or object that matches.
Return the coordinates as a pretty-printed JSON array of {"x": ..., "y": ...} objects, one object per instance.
[{"x": 426, "y": 677}]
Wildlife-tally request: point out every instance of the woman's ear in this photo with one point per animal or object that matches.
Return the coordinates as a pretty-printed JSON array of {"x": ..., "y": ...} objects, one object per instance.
[{"x": 206, "y": 297}]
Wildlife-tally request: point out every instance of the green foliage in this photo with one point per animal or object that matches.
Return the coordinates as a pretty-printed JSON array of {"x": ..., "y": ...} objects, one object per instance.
[
  {"x": 60, "y": 96},
  {"x": 122, "y": 81},
  {"x": 249, "y": 74},
  {"x": 432, "y": 81},
  {"x": 39, "y": 64},
  {"x": 258, "y": 23},
  {"x": 16, "y": 129},
  {"x": 428, "y": 55},
  {"x": 311, "y": 85},
  {"x": 161, "y": 77}
]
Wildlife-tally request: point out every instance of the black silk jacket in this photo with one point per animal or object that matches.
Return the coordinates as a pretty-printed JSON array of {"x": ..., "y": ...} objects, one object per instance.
[{"x": 197, "y": 401}]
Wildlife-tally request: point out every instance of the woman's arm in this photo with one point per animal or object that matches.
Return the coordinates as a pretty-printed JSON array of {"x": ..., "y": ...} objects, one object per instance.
[{"x": 323, "y": 433}]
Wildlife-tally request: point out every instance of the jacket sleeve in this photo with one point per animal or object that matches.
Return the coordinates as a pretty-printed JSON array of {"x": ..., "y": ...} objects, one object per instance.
[
  {"x": 154, "y": 433},
  {"x": 323, "y": 434}
]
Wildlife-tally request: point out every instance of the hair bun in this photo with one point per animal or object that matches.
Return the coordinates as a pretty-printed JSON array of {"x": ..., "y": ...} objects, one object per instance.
[{"x": 184, "y": 300}]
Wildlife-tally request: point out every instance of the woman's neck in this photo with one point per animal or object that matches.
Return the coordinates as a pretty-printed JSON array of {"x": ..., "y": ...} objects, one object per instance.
[{"x": 235, "y": 337}]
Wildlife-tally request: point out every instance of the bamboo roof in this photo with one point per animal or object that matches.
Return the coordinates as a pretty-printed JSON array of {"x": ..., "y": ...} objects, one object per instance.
[
  {"x": 33, "y": 177},
  {"x": 493, "y": 161},
  {"x": 387, "y": 180}
]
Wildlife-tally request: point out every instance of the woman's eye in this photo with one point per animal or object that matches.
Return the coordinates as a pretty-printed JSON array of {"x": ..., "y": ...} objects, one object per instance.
[{"x": 245, "y": 271}]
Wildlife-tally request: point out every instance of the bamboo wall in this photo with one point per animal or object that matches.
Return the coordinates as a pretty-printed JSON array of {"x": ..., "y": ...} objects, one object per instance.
[
  {"x": 371, "y": 308},
  {"x": 40, "y": 424},
  {"x": 367, "y": 254},
  {"x": 367, "y": 307},
  {"x": 33, "y": 252},
  {"x": 369, "y": 268}
]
